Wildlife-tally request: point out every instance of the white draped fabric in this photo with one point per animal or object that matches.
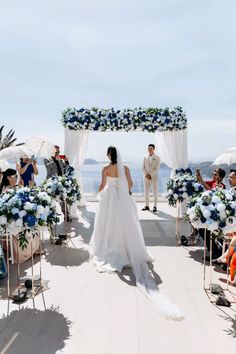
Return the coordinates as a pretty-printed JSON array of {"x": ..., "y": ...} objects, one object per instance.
[
  {"x": 75, "y": 148},
  {"x": 172, "y": 148}
]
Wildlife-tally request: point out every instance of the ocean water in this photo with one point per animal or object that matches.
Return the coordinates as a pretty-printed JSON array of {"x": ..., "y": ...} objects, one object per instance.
[{"x": 91, "y": 175}]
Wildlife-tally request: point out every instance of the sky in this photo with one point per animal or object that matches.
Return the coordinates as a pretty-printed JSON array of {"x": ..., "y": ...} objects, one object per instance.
[{"x": 120, "y": 53}]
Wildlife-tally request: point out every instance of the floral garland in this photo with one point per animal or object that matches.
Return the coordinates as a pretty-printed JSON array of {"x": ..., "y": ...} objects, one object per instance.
[
  {"x": 25, "y": 210},
  {"x": 214, "y": 210},
  {"x": 182, "y": 187},
  {"x": 150, "y": 119},
  {"x": 63, "y": 188}
]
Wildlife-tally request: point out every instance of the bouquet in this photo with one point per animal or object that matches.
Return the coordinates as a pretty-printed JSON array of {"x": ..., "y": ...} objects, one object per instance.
[
  {"x": 182, "y": 187},
  {"x": 25, "y": 210},
  {"x": 214, "y": 210},
  {"x": 63, "y": 188}
]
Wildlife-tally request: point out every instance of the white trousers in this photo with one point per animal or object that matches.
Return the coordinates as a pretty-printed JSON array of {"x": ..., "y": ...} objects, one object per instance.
[{"x": 153, "y": 184}]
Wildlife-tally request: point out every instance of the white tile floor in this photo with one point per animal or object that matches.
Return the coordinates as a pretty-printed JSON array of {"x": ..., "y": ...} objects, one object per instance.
[{"x": 93, "y": 313}]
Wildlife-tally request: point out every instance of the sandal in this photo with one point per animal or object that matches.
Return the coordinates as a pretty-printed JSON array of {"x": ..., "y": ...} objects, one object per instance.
[{"x": 222, "y": 300}]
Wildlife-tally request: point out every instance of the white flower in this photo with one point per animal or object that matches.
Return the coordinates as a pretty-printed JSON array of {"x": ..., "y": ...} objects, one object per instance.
[
  {"x": 223, "y": 215},
  {"x": 15, "y": 211},
  {"x": 28, "y": 206},
  {"x": 206, "y": 213},
  {"x": 22, "y": 213},
  {"x": 176, "y": 196},
  {"x": 185, "y": 195},
  {"x": 40, "y": 209},
  {"x": 210, "y": 207},
  {"x": 229, "y": 196},
  {"x": 216, "y": 199},
  {"x": 3, "y": 220},
  {"x": 19, "y": 223},
  {"x": 221, "y": 207}
]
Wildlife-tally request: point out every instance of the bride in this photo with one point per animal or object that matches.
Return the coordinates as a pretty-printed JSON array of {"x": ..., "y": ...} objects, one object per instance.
[{"x": 117, "y": 239}]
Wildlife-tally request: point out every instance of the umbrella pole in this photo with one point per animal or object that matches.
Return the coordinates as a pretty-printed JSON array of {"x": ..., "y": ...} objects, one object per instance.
[{"x": 40, "y": 149}]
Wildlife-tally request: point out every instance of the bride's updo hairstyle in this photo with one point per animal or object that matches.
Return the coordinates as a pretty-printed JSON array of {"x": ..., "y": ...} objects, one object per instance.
[{"x": 113, "y": 154}]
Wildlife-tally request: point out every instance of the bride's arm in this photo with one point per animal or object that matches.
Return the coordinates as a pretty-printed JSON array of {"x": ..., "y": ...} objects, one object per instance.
[
  {"x": 104, "y": 179},
  {"x": 129, "y": 178}
]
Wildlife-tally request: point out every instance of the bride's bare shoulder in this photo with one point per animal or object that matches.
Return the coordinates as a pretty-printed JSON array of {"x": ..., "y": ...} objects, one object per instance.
[{"x": 105, "y": 167}]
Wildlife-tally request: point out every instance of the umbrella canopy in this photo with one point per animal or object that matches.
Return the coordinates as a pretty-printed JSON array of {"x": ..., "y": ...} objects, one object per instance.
[
  {"x": 41, "y": 146},
  {"x": 13, "y": 153},
  {"x": 228, "y": 157},
  {"x": 4, "y": 165}
]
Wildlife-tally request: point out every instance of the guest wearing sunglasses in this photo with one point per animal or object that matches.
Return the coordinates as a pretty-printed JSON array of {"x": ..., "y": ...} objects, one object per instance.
[{"x": 217, "y": 177}]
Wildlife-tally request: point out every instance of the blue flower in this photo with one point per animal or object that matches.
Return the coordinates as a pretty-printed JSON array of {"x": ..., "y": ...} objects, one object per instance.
[{"x": 31, "y": 220}]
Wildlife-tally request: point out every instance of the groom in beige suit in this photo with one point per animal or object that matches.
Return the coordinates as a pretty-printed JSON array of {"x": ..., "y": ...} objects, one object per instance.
[{"x": 151, "y": 165}]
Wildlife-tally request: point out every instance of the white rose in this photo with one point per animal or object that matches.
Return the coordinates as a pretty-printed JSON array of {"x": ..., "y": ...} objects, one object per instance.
[
  {"x": 40, "y": 209},
  {"x": 206, "y": 213},
  {"x": 28, "y": 206},
  {"x": 220, "y": 207},
  {"x": 210, "y": 207},
  {"x": 3, "y": 220},
  {"x": 15, "y": 211},
  {"x": 22, "y": 213},
  {"x": 19, "y": 223},
  {"x": 216, "y": 199}
]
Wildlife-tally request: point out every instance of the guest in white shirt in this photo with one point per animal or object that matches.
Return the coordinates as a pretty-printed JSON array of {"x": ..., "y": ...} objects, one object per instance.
[{"x": 151, "y": 166}]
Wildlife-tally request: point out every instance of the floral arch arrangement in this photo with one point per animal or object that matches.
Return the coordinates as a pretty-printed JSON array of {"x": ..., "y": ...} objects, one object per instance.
[{"x": 144, "y": 119}]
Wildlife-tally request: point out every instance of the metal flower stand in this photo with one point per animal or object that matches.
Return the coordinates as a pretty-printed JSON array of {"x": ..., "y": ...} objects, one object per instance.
[
  {"x": 207, "y": 286},
  {"x": 54, "y": 229},
  {"x": 177, "y": 223},
  {"x": 178, "y": 219},
  {"x": 37, "y": 282}
]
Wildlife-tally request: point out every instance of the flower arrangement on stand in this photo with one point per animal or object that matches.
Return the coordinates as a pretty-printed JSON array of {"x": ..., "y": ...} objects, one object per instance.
[
  {"x": 24, "y": 211},
  {"x": 63, "y": 188},
  {"x": 182, "y": 187},
  {"x": 214, "y": 210}
]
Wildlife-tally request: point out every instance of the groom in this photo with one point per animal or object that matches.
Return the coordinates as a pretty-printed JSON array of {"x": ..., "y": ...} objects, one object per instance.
[{"x": 151, "y": 165}]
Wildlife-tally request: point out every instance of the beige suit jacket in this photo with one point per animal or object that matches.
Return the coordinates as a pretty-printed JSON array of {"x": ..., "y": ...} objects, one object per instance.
[{"x": 151, "y": 165}]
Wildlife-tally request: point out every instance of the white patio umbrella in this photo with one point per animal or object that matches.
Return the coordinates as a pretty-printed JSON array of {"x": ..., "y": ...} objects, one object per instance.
[
  {"x": 41, "y": 146},
  {"x": 13, "y": 153},
  {"x": 4, "y": 165},
  {"x": 228, "y": 157}
]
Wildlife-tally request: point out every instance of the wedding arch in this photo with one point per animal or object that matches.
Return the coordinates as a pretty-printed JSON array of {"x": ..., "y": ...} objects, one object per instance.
[{"x": 168, "y": 125}]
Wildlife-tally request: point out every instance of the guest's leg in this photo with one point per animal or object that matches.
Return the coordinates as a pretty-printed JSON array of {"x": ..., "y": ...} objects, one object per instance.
[
  {"x": 155, "y": 190},
  {"x": 146, "y": 191}
]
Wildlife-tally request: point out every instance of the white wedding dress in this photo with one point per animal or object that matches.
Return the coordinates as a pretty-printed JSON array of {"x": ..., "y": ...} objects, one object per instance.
[{"x": 117, "y": 241}]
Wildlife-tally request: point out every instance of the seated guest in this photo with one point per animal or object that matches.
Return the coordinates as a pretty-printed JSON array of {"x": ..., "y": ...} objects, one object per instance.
[
  {"x": 217, "y": 177},
  {"x": 9, "y": 180},
  {"x": 57, "y": 164},
  {"x": 27, "y": 169}
]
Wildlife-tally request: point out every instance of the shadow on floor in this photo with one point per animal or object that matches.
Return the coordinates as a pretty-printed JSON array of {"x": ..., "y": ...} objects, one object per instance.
[
  {"x": 68, "y": 257},
  {"x": 128, "y": 277},
  {"x": 34, "y": 331},
  {"x": 25, "y": 268}
]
